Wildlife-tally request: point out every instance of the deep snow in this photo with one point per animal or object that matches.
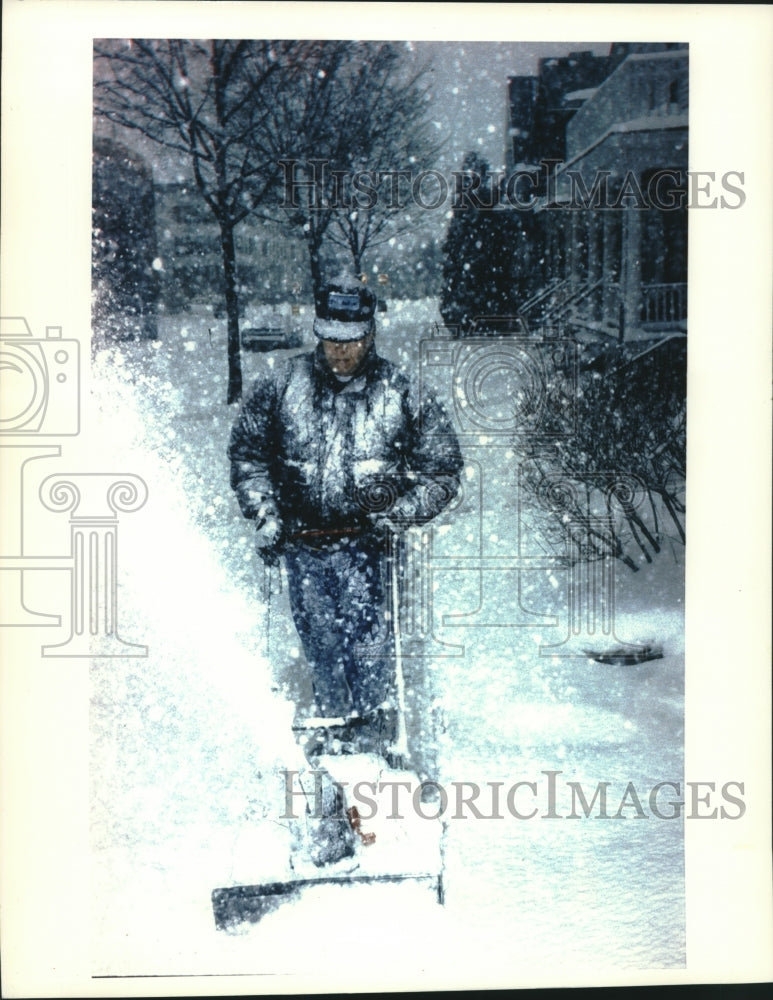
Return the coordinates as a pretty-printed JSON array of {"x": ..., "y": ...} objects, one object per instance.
[{"x": 189, "y": 744}]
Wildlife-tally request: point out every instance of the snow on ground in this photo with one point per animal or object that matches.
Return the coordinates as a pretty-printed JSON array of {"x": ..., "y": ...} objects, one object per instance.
[{"x": 189, "y": 744}]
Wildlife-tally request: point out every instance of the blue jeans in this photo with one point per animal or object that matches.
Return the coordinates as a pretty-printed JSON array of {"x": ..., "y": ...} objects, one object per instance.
[{"x": 338, "y": 598}]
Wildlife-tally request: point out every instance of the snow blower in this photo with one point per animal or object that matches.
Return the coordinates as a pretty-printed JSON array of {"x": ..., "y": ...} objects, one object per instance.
[{"x": 365, "y": 819}]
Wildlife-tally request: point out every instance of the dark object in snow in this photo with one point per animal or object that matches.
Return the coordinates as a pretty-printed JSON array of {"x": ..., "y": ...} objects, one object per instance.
[
  {"x": 249, "y": 903},
  {"x": 625, "y": 655},
  {"x": 274, "y": 337}
]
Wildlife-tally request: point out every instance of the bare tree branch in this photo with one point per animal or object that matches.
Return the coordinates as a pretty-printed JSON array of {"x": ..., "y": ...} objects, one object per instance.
[{"x": 197, "y": 98}]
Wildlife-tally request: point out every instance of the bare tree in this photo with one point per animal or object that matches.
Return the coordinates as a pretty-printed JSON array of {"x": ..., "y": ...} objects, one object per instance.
[
  {"x": 196, "y": 98},
  {"x": 613, "y": 482},
  {"x": 303, "y": 130},
  {"x": 282, "y": 130},
  {"x": 353, "y": 120},
  {"x": 391, "y": 142}
]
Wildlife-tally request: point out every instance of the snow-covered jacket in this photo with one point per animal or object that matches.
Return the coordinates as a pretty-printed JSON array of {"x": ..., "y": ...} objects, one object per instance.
[{"x": 321, "y": 454}]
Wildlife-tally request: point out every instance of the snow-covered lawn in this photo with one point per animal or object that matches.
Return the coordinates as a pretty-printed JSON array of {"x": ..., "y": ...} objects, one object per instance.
[{"x": 189, "y": 744}]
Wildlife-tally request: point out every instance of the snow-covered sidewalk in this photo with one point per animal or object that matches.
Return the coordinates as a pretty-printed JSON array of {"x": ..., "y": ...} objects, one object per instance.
[{"x": 189, "y": 744}]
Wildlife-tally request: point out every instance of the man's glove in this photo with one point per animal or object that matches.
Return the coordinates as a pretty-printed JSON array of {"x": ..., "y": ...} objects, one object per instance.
[
  {"x": 268, "y": 539},
  {"x": 383, "y": 526}
]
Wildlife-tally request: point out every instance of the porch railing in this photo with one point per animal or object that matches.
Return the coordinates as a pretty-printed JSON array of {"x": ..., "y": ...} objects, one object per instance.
[
  {"x": 599, "y": 305},
  {"x": 663, "y": 305}
]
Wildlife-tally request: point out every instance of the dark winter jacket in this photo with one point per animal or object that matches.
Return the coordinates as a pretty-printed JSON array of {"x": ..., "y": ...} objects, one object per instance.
[{"x": 321, "y": 454}]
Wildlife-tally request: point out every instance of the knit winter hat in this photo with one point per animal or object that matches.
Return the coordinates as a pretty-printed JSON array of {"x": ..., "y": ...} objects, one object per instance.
[{"x": 345, "y": 310}]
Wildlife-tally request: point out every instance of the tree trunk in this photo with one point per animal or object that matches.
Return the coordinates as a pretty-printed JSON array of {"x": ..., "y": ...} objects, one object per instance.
[
  {"x": 226, "y": 223},
  {"x": 231, "y": 310},
  {"x": 315, "y": 264}
]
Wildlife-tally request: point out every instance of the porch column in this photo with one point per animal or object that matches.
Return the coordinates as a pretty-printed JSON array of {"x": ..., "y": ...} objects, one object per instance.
[
  {"x": 595, "y": 262},
  {"x": 611, "y": 221},
  {"x": 631, "y": 260},
  {"x": 572, "y": 248}
]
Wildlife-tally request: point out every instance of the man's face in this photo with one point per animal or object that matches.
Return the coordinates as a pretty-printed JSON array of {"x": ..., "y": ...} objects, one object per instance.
[{"x": 344, "y": 356}]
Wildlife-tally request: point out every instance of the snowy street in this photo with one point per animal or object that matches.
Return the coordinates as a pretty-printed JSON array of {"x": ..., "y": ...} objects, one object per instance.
[{"x": 190, "y": 743}]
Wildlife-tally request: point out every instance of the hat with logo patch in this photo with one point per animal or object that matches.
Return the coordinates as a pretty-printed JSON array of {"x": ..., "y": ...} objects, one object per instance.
[{"x": 345, "y": 310}]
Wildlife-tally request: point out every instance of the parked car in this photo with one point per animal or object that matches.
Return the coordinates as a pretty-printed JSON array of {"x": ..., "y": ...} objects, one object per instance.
[{"x": 275, "y": 335}]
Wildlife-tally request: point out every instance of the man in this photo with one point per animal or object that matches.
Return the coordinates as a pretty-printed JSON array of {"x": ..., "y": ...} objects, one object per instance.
[{"x": 333, "y": 452}]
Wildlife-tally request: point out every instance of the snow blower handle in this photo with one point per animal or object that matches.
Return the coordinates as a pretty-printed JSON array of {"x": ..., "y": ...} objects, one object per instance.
[
  {"x": 398, "y": 752},
  {"x": 268, "y": 572}
]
